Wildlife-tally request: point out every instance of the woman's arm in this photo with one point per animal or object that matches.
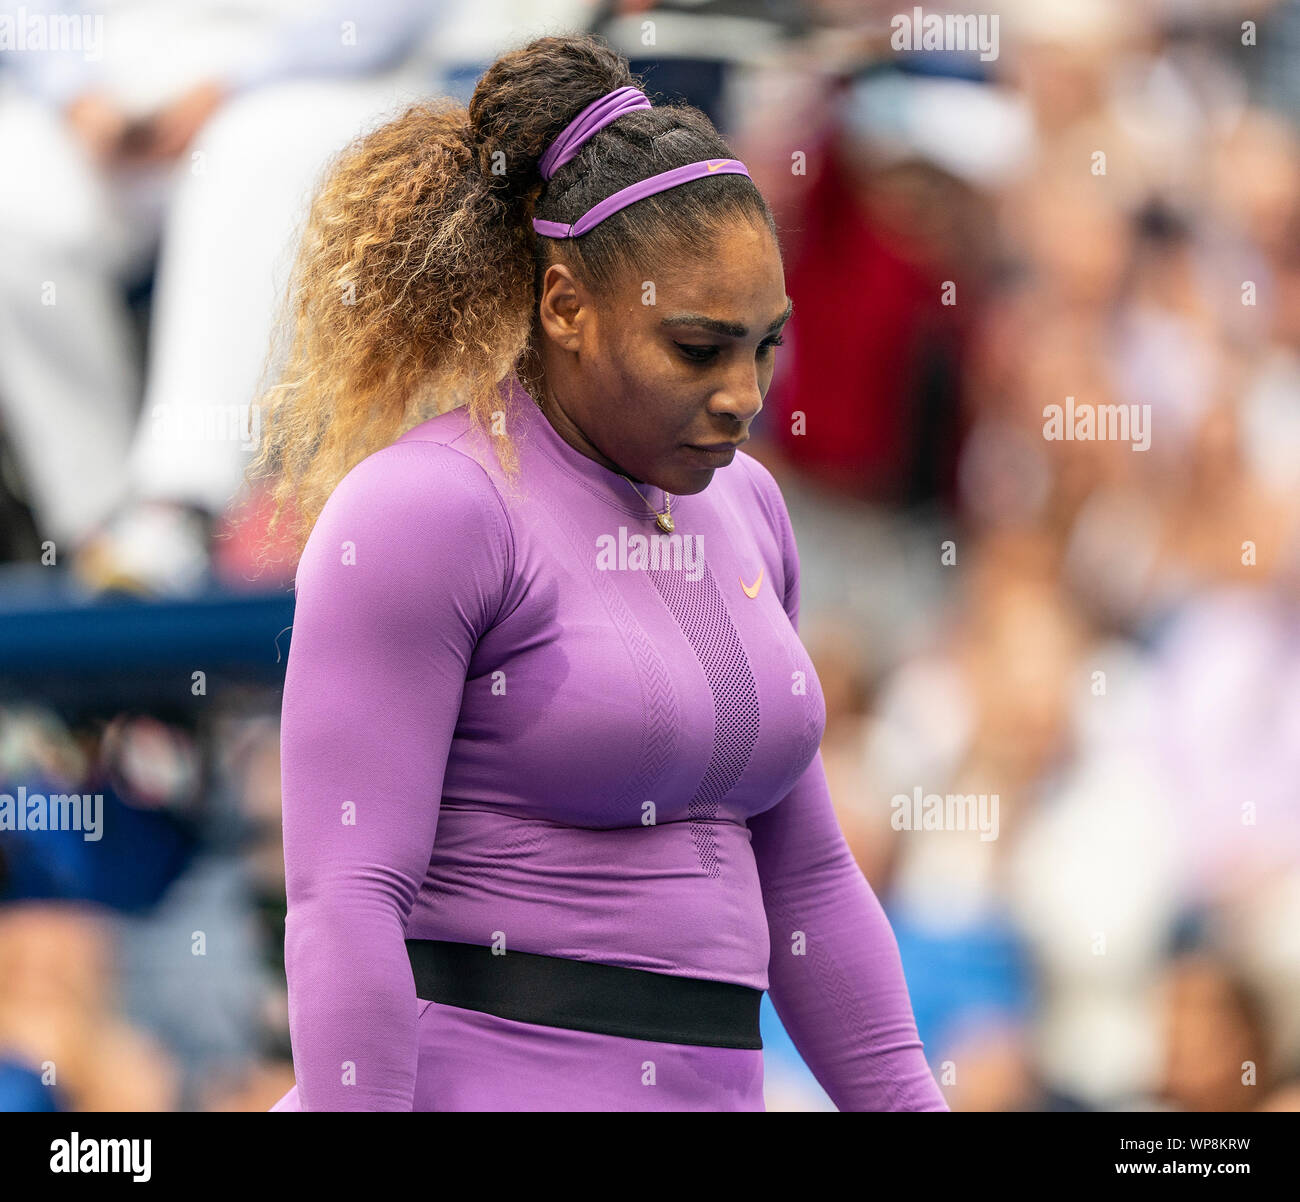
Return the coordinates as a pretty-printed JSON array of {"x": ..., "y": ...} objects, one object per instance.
[
  {"x": 835, "y": 976},
  {"x": 404, "y": 570}
]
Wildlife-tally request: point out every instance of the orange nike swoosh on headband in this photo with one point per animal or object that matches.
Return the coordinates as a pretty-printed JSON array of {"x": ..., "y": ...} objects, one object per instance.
[
  {"x": 715, "y": 166},
  {"x": 751, "y": 590}
]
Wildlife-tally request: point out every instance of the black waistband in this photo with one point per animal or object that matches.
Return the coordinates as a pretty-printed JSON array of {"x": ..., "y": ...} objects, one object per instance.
[{"x": 585, "y": 996}]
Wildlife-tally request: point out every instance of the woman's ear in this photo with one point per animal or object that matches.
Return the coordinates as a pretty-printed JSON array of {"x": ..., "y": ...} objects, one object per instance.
[{"x": 564, "y": 309}]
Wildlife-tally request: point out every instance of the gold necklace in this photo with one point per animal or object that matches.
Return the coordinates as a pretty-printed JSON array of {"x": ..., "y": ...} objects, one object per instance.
[{"x": 663, "y": 520}]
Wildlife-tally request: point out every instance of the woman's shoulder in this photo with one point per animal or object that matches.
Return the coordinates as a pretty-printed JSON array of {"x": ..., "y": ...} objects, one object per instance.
[
  {"x": 445, "y": 428},
  {"x": 431, "y": 463},
  {"x": 421, "y": 490},
  {"x": 763, "y": 489},
  {"x": 415, "y": 531}
]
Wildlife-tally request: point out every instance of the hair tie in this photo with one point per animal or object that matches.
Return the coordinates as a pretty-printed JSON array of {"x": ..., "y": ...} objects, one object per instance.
[{"x": 598, "y": 114}]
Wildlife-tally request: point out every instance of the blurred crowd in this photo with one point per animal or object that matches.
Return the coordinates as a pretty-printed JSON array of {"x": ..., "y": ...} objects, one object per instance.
[{"x": 1090, "y": 624}]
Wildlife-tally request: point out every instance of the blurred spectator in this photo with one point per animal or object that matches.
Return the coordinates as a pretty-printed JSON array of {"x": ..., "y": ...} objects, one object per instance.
[
  {"x": 58, "y": 1021},
  {"x": 210, "y": 147},
  {"x": 1217, "y": 1056},
  {"x": 689, "y": 50}
]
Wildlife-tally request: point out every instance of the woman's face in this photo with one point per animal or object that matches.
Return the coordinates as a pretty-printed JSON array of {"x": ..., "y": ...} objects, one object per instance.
[{"x": 677, "y": 361}]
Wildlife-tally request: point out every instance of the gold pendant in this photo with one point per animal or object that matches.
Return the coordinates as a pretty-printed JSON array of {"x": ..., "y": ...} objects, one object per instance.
[{"x": 665, "y": 522}]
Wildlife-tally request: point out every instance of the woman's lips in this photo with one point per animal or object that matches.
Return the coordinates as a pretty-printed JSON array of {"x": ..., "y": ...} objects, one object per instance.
[{"x": 716, "y": 455}]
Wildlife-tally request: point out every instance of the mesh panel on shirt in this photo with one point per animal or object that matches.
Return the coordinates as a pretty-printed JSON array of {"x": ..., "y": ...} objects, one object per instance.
[{"x": 699, "y": 610}]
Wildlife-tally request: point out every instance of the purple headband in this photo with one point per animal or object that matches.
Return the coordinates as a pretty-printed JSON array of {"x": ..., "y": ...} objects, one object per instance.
[{"x": 595, "y": 117}]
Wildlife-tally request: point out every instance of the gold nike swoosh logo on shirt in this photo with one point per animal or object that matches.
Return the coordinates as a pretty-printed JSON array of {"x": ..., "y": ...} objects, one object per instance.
[{"x": 751, "y": 590}]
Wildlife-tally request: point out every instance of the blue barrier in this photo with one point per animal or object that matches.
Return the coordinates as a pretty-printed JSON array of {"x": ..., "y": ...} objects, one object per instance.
[{"x": 58, "y": 641}]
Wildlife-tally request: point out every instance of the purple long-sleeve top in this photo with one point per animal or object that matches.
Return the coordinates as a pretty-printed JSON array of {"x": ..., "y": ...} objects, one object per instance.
[{"x": 512, "y": 716}]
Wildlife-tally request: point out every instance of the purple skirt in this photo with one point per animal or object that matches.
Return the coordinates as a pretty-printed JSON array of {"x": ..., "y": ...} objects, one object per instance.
[{"x": 479, "y": 1062}]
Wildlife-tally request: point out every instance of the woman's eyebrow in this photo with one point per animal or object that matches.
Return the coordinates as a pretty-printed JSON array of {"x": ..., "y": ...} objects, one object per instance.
[{"x": 732, "y": 329}]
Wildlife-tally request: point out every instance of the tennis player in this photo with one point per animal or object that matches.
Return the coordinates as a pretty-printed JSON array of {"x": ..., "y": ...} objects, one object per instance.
[{"x": 554, "y": 810}]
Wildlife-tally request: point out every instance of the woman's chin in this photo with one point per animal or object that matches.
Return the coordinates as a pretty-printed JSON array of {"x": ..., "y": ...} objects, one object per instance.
[{"x": 688, "y": 482}]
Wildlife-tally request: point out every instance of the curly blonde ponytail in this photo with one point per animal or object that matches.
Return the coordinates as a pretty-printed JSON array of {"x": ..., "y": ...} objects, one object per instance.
[{"x": 412, "y": 294}]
